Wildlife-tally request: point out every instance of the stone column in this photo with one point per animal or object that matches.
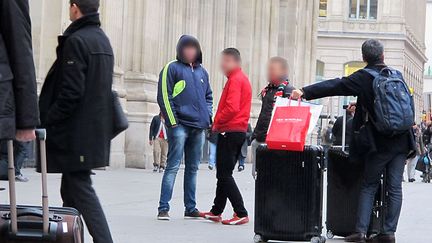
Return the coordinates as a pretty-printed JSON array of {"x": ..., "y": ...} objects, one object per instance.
[
  {"x": 113, "y": 15},
  {"x": 218, "y": 44}
]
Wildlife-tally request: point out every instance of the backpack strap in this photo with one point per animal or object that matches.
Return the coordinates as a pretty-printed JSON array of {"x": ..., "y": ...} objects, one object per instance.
[{"x": 372, "y": 72}]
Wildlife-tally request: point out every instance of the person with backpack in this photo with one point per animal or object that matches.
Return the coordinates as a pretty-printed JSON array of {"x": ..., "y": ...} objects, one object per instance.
[{"x": 382, "y": 133}]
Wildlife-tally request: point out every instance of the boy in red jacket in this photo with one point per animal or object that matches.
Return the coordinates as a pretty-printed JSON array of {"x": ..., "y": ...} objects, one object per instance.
[{"x": 231, "y": 122}]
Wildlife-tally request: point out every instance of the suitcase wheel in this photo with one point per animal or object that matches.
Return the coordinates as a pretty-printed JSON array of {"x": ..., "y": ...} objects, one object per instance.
[
  {"x": 330, "y": 235},
  {"x": 259, "y": 238},
  {"x": 318, "y": 239}
]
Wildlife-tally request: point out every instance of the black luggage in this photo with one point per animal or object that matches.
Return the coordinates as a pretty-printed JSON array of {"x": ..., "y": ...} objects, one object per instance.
[
  {"x": 344, "y": 181},
  {"x": 288, "y": 195},
  {"x": 32, "y": 224}
]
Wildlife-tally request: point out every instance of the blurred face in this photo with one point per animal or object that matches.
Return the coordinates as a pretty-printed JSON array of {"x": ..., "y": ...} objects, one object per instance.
[
  {"x": 228, "y": 64},
  {"x": 276, "y": 73},
  {"x": 190, "y": 53},
  {"x": 74, "y": 12}
]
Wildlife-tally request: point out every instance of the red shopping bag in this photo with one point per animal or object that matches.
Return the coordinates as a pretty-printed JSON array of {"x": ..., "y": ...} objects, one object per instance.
[{"x": 288, "y": 128}]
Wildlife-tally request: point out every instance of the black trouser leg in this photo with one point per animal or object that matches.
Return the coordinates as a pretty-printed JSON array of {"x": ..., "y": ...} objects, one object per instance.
[
  {"x": 228, "y": 149},
  {"x": 78, "y": 191}
]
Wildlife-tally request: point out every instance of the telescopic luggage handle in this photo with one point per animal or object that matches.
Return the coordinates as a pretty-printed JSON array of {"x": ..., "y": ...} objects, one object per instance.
[
  {"x": 41, "y": 138},
  {"x": 345, "y": 107}
]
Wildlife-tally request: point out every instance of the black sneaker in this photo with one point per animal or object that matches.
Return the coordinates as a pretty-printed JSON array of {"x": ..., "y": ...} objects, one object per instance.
[
  {"x": 155, "y": 168},
  {"x": 163, "y": 215},
  {"x": 411, "y": 180},
  {"x": 196, "y": 214}
]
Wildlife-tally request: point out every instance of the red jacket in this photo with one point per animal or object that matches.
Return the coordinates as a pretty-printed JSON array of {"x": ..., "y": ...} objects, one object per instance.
[{"x": 235, "y": 104}]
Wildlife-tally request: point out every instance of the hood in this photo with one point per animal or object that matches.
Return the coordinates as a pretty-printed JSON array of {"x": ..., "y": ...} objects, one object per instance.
[{"x": 184, "y": 41}]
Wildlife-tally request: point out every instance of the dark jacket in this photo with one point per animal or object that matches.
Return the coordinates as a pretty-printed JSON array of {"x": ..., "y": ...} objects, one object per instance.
[
  {"x": 154, "y": 128},
  {"x": 359, "y": 84},
  {"x": 18, "y": 93},
  {"x": 268, "y": 100},
  {"x": 76, "y": 102},
  {"x": 184, "y": 92},
  {"x": 337, "y": 130}
]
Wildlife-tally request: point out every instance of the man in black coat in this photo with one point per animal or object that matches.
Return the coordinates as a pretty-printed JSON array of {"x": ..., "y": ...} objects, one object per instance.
[
  {"x": 18, "y": 94},
  {"x": 381, "y": 153},
  {"x": 76, "y": 106}
]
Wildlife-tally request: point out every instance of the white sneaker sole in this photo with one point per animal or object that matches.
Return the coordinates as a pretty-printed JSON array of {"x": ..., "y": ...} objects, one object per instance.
[{"x": 164, "y": 218}]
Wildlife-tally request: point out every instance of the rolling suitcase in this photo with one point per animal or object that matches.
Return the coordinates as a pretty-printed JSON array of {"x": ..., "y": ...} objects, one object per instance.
[
  {"x": 289, "y": 195},
  {"x": 344, "y": 181},
  {"x": 31, "y": 224}
]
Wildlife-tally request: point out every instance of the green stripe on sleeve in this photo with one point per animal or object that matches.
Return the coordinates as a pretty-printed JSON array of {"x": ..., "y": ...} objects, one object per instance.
[{"x": 165, "y": 95}]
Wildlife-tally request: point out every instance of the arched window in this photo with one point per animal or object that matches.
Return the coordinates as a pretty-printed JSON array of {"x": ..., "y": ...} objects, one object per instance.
[{"x": 352, "y": 67}]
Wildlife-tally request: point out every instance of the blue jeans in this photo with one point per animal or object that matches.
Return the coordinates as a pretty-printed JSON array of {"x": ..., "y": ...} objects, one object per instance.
[
  {"x": 212, "y": 154},
  {"x": 374, "y": 167},
  {"x": 241, "y": 160},
  {"x": 188, "y": 141}
]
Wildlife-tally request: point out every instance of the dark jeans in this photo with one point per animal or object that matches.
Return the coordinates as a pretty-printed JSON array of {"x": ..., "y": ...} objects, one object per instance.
[
  {"x": 228, "y": 150},
  {"x": 77, "y": 192},
  {"x": 374, "y": 167}
]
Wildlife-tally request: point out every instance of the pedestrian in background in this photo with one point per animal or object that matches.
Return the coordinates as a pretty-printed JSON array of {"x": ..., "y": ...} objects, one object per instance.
[
  {"x": 158, "y": 138},
  {"x": 244, "y": 149},
  {"x": 231, "y": 122},
  {"x": 420, "y": 150},
  {"x": 76, "y": 105},
  {"x": 278, "y": 86},
  {"x": 378, "y": 151},
  {"x": 212, "y": 141},
  {"x": 337, "y": 130},
  {"x": 186, "y": 100},
  {"x": 20, "y": 155}
]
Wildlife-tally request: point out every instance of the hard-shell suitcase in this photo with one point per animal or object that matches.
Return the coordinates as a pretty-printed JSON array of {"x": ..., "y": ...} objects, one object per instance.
[
  {"x": 344, "y": 181},
  {"x": 31, "y": 224},
  {"x": 289, "y": 195}
]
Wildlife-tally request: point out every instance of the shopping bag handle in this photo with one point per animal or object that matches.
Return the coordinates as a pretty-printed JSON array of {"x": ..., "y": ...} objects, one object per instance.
[{"x": 289, "y": 101}]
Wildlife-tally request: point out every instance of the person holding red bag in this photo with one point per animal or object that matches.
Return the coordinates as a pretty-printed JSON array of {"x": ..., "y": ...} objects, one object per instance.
[{"x": 231, "y": 122}]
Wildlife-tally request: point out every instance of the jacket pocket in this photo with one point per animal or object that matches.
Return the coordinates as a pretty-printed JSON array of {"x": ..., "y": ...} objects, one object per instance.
[
  {"x": 179, "y": 87},
  {"x": 7, "y": 104},
  {"x": 188, "y": 113}
]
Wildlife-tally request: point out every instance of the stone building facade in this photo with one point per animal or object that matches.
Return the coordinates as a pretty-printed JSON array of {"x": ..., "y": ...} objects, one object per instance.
[
  {"x": 427, "y": 88},
  {"x": 144, "y": 35},
  {"x": 345, "y": 24}
]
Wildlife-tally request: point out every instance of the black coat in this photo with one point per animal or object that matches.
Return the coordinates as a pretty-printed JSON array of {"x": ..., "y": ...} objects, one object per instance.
[
  {"x": 263, "y": 122},
  {"x": 337, "y": 130},
  {"x": 359, "y": 84},
  {"x": 76, "y": 100},
  {"x": 18, "y": 95}
]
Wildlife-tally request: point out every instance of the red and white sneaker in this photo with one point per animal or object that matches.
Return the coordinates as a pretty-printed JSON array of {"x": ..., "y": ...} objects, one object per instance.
[
  {"x": 236, "y": 220},
  {"x": 212, "y": 217}
]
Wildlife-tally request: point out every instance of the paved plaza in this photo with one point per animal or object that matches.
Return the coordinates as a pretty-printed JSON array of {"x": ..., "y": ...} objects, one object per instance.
[{"x": 130, "y": 200}]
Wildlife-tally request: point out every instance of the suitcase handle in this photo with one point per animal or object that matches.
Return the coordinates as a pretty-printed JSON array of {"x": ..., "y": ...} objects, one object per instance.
[
  {"x": 40, "y": 137},
  {"x": 32, "y": 212}
]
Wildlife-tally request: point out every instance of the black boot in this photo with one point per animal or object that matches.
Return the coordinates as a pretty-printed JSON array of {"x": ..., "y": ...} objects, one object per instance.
[
  {"x": 382, "y": 238},
  {"x": 356, "y": 237}
]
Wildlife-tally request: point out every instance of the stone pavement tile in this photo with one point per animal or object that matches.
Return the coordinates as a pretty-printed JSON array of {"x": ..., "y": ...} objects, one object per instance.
[{"x": 130, "y": 199}]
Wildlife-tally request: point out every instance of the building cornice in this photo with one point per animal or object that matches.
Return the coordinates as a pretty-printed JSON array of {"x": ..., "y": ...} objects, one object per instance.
[{"x": 408, "y": 38}]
